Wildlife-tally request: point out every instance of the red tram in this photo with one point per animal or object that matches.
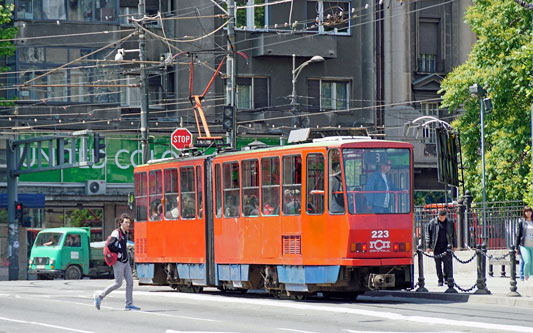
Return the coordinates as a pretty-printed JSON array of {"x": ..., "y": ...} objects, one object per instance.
[{"x": 332, "y": 216}]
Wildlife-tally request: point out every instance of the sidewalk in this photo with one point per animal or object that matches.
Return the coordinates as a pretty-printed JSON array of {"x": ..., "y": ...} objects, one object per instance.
[{"x": 465, "y": 276}]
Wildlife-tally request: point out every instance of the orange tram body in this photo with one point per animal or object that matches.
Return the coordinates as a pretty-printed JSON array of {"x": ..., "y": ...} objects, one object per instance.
[{"x": 293, "y": 220}]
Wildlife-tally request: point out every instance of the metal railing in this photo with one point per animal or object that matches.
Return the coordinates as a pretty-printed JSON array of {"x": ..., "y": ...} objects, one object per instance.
[{"x": 500, "y": 227}]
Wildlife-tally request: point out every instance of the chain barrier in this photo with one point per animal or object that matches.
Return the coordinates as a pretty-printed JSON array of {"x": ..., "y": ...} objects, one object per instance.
[
  {"x": 491, "y": 257},
  {"x": 436, "y": 256},
  {"x": 443, "y": 254},
  {"x": 465, "y": 290},
  {"x": 464, "y": 261}
]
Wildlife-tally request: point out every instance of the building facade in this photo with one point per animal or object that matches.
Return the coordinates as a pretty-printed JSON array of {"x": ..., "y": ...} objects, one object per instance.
[{"x": 379, "y": 66}]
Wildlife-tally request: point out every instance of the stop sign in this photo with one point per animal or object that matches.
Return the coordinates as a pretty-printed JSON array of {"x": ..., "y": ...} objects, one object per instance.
[{"x": 181, "y": 138}]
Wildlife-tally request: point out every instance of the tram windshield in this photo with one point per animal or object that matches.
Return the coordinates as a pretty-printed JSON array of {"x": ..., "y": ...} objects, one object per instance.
[{"x": 378, "y": 181}]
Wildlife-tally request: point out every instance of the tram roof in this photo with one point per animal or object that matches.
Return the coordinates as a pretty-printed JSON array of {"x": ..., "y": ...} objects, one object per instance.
[{"x": 332, "y": 142}]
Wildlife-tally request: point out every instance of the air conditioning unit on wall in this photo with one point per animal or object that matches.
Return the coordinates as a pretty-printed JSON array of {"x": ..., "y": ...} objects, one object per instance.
[{"x": 95, "y": 187}]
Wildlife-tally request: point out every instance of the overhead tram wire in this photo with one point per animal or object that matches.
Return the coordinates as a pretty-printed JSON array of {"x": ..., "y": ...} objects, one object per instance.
[
  {"x": 368, "y": 22},
  {"x": 250, "y": 121}
]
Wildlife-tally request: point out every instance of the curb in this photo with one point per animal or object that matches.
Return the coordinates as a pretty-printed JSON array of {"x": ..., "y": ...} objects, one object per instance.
[{"x": 525, "y": 302}]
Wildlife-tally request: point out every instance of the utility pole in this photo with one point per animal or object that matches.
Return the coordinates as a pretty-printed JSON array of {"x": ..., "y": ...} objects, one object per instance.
[
  {"x": 230, "y": 72},
  {"x": 13, "y": 230},
  {"x": 145, "y": 123}
]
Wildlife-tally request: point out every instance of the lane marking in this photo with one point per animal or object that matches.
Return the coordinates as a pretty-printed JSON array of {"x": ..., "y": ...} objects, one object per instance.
[
  {"x": 44, "y": 324},
  {"x": 172, "y": 331},
  {"x": 360, "y": 312},
  {"x": 354, "y": 331},
  {"x": 293, "y": 330}
]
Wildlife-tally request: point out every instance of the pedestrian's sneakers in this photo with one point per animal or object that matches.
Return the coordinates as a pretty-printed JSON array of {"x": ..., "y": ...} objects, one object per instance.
[
  {"x": 97, "y": 302},
  {"x": 131, "y": 308},
  {"x": 440, "y": 284}
]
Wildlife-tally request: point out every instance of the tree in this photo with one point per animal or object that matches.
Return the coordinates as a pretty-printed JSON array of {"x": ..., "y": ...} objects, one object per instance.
[
  {"x": 500, "y": 61},
  {"x": 7, "y": 33}
]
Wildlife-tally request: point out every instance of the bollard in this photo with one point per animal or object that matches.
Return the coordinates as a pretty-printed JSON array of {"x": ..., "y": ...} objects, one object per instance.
[
  {"x": 512, "y": 259},
  {"x": 421, "y": 280},
  {"x": 481, "y": 271},
  {"x": 450, "y": 282}
]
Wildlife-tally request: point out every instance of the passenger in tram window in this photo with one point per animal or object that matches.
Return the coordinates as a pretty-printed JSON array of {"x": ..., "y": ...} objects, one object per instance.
[
  {"x": 268, "y": 209},
  {"x": 292, "y": 201},
  {"x": 172, "y": 211},
  {"x": 157, "y": 214},
  {"x": 189, "y": 207},
  {"x": 336, "y": 204},
  {"x": 231, "y": 208},
  {"x": 251, "y": 206},
  {"x": 380, "y": 183}
]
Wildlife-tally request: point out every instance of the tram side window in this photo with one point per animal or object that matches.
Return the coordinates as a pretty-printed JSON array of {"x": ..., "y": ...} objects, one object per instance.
[
  {"x": 232, "y": 197},
  {"x": 270, "y": 185},
  {"x": 218, "y": 195},
  {"x": 199, "y": 192},
  {"x": 141, "y": 199},
  {"x": 156, "y": 193},
  {"x": 188, "y": 193},
  {"x": 292, "y": 185},
  {"x": 250, "y": 188},
  {"x": 335, "y": 188},
  {"x": 172, "y": 210},
  {"x": 315, "y": 184}
]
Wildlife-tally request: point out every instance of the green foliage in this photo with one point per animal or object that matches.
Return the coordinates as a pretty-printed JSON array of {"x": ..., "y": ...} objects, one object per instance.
[
  {"x": 500, "y": 61},
  {"x": 83, "y": 218},
  {"x": 7, "y": 32}
]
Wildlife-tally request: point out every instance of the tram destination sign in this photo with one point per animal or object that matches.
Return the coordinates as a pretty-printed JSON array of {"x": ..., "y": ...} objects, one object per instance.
[{"x": 181, "y": 138}]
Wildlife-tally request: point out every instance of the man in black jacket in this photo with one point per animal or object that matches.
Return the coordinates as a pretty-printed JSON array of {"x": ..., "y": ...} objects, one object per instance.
[
  {"x": 121, "y": 267},
  {"x": 439, "y": 234}
]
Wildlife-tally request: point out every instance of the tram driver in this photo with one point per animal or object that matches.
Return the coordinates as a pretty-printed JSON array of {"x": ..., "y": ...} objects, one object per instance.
[{"x": 380, "y": 185}]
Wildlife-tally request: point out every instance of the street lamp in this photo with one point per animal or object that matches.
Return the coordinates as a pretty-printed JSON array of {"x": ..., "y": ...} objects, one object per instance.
[
  {"x": 478, "y": 91},
  {"x": 295, "y": 72}
]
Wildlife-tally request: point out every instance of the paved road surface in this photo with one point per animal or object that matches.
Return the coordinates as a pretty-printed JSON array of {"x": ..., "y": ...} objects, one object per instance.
[{"x": 67, "y": 306}]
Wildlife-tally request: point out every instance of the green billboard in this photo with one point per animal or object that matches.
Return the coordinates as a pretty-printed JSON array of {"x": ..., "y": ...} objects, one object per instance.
[{"x": 123, "y": 153}]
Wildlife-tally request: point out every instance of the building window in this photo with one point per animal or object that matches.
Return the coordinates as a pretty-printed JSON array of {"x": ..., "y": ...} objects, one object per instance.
[
  {"x": 331, "y": 17},
  {"x": 130, "y": 96},
  {"x": 152, "y": 9},
  {"x": 429, "y": 46},
  {"x": 328, "y": 95},
  {"x": 252, "y": 93},
  {"x": 35, "y": 61},
  {"x": 72, "y": 10},
  {"x": 252, "y": 16},
  {"x": 430, "y": 109}
]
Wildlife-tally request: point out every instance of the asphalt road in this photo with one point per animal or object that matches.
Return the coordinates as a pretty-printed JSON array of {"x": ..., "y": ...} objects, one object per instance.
[{"x": 67, "y": 306}]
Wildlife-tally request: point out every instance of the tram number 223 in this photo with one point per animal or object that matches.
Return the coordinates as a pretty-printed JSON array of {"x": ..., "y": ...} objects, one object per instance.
[{"x": 380, "y": 234}]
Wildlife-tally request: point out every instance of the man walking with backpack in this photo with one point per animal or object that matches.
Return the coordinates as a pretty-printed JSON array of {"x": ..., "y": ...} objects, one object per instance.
[{"x": 117, "y": 243}]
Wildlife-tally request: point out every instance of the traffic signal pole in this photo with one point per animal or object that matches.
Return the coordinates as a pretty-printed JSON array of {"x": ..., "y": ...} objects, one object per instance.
[
  {"x": 145, "y": 119},
  {"x": 230, "y": 72},
  {"x": 13, "y": 230}
]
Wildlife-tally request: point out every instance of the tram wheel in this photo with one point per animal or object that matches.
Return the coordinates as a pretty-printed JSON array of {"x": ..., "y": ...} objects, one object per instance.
[{"x": 197, "y": 289}]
